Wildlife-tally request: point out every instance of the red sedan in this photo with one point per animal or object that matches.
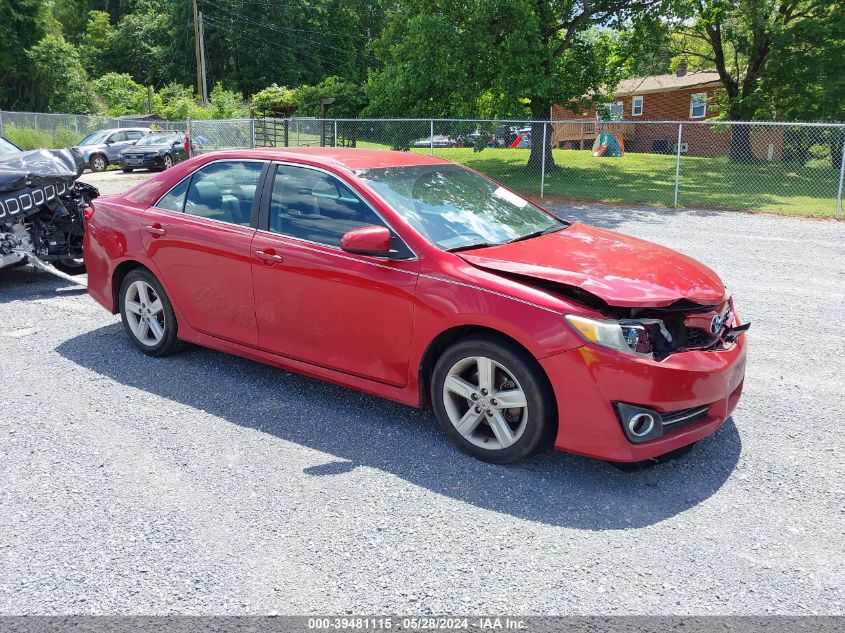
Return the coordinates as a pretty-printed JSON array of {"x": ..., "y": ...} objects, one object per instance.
[{"x": 415, "y": 279}]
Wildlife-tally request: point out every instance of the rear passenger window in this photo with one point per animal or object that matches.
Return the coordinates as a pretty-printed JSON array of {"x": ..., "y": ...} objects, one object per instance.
[
  {"x": 133, "y": 136},
  {"x": 315, "y": 206},
  {"x": 224, "y": 191},
  {"x": 174, "y": 200}
]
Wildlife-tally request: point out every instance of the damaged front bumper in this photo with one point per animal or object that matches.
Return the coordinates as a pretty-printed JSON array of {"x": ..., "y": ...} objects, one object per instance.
[{"x": 590, "y": 382}]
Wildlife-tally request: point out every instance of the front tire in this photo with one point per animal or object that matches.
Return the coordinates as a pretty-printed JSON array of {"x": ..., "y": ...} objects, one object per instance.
[
  {"x": 127, "y": 170},
  {"x": 98, "y": 163},
  {"x": 71, "y": 266},
  {"x": 167, "y": 162},
  {"x": 492, "y": 399},
  {"x": 148, "y": 315}
]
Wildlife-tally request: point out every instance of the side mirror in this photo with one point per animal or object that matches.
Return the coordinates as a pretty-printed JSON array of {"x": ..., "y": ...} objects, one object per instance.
[
  {"x": 177, "y": 144},
  {"x": 367, "y": 240}
]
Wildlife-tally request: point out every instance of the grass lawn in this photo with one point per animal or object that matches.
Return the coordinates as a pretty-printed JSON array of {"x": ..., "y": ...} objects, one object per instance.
[{"x": 650, "y": 179}]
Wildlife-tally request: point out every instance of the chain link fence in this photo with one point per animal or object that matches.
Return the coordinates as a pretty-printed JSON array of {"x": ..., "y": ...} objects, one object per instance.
[{"x": 793, "y": 168}]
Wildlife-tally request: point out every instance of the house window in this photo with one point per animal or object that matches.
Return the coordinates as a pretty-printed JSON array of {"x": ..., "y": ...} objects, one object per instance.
[
  {"x": 614, "y": 110},
  {"x": 698, "y": 105},
  {"x": 637, "y": 106}
]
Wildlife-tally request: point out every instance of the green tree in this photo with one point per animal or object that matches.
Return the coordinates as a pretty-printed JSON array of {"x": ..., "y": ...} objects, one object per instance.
[
  {"x": 440, "y": 57},
  {"x": 226, "y": 104},
  {"x": 121, "y": 95},
  {"x": 59, "y": 76},
  {"x": 274, "y": 101},
  {"x": 349, "y": 98},
  {"x": 97, "y": 42},
  {"x": 740, "y": 38},
  {"x": 19, "y": 31}
]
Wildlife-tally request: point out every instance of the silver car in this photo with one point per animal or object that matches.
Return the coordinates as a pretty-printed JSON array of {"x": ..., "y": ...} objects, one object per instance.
[{"x": 102, "y": 148}]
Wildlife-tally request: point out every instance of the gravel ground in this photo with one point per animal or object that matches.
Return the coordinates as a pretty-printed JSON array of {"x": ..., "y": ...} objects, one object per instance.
[{"x": 206, "y": 484}]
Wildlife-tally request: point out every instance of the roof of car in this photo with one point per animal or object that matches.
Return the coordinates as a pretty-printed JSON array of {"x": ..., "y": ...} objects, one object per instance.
[
  {"x": 121, "y": 129},
  {"x": 347, "y": 157}
]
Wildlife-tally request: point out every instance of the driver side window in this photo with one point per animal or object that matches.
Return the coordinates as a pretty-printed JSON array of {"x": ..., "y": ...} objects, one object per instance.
[{"x": 315, "y": 206}]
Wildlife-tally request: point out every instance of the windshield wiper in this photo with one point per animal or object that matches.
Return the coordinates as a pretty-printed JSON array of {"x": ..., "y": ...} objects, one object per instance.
[
  {"x": 467, "y": 247},
  {"x": 551, "y": 229}
]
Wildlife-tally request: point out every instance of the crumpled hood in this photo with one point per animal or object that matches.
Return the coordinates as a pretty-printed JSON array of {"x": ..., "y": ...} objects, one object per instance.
[{"x": 623, "y": 271}]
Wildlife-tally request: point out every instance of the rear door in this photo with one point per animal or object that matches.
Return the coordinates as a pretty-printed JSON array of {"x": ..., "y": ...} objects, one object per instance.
[{"x": 199, "y": 236}]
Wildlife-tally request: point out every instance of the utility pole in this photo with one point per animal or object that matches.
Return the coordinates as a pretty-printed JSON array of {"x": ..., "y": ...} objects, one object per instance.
[
  {"x": 204, "y": 92},
  {"x": 200, "y": 55}
]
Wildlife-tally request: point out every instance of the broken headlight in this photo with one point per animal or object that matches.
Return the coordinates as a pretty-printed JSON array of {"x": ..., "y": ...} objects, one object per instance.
[{"x": 631, "y": 336}]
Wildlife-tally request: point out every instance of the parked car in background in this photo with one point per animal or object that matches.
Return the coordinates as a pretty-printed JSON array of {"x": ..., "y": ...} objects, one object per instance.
[
  {"x": 160, "y": 150},
  {"x": 413, "y": 278},
  {"x": 439, "y": 140},
  {"x": 102, "y": 148}
]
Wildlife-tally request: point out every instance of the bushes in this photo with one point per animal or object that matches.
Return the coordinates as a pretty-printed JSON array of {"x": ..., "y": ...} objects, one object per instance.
[{"x": 31, "y": 138}]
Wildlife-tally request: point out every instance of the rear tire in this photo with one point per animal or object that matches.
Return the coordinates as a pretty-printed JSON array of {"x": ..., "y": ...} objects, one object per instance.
[
  {"x": 148, "y": 315},
  {"x": 473, "y": 383}
]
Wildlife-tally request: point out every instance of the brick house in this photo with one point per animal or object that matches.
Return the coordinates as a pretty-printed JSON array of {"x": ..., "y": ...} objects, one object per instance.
[{"x": 683, "y": 96}]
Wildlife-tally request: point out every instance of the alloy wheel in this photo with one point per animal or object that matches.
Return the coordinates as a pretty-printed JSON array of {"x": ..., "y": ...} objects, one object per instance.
[
  {"x": 168, "y": 161},
  {"x": 99, "y": 163},
  {"x": 144, "y": 313},
  {"x": 485, "y": 403}
]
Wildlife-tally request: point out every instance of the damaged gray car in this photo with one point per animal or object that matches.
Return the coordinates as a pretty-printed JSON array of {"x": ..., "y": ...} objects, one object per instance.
[{"x": 42, "y": 210}]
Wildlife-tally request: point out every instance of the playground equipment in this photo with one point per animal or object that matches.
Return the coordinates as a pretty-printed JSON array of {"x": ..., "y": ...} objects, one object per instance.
[{"x": 609, "y": 145}]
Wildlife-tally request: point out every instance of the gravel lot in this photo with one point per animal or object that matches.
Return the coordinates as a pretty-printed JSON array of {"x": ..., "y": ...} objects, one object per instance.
[{"x": 206, "y": 484}]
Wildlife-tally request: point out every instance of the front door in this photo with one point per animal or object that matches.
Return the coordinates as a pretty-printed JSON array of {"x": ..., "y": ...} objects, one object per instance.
[
  {"x": 316, "y": 303},
  {"x": 199, "y": 236}
]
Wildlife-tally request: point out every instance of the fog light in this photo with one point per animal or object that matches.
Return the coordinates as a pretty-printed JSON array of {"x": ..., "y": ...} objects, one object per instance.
[
  {"x": 641, "y": 424},
  {"x": 638, "y": 423}
]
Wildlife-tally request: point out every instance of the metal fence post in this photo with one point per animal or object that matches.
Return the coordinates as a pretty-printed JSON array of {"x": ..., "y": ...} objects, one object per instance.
[
  {"x": 298, "y": 143},
  {"x": 335, "y": 132},
  {"x": 678, "y": 164},
  {"x": 2, "y": 129},
  {"x": 252, "y": 132},
  {"x": 841, "y": 177},
  {"x": 543, "y": 163},
  {"x": 431, "y": 137},
  {"x": 188, "y": 134}
]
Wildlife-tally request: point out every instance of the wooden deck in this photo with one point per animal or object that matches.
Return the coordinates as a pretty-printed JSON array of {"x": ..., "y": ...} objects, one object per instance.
[{"x": 584, "y": 132}]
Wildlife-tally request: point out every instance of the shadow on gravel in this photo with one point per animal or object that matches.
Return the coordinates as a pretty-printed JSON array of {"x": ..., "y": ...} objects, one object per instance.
[
  {"x": 361, "y": 430},
  {"x": 24, "y": 283}
]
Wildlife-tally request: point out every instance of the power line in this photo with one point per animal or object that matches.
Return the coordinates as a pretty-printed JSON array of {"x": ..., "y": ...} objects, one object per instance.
[
  {"x": 281, "y": 30},
  {"x": 300, "y": 56}
]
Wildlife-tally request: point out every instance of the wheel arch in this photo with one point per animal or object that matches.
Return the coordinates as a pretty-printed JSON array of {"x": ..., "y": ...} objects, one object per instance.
[
  {"x": 448, "y": 337},
  {"x": 119, "y": 274}
]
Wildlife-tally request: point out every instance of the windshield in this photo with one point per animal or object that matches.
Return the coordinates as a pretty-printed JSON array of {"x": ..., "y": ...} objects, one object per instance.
[
  {"x": 158, "y": 139},
  {"x": 95, "y": 138},
  {"x": 456, "y": 208},
  {"x": 6, "y": 148}
]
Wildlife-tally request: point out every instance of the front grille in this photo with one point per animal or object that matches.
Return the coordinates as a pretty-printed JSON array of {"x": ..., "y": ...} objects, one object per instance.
[
  {"x": 696, "y": 337},
  {"x": 685, "y": 416}
]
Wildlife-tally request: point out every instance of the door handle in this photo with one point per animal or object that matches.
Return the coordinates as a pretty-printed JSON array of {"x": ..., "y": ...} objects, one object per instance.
[
  {"x": 269, "y": 257},
  {"x": 156, "y": 229}
]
